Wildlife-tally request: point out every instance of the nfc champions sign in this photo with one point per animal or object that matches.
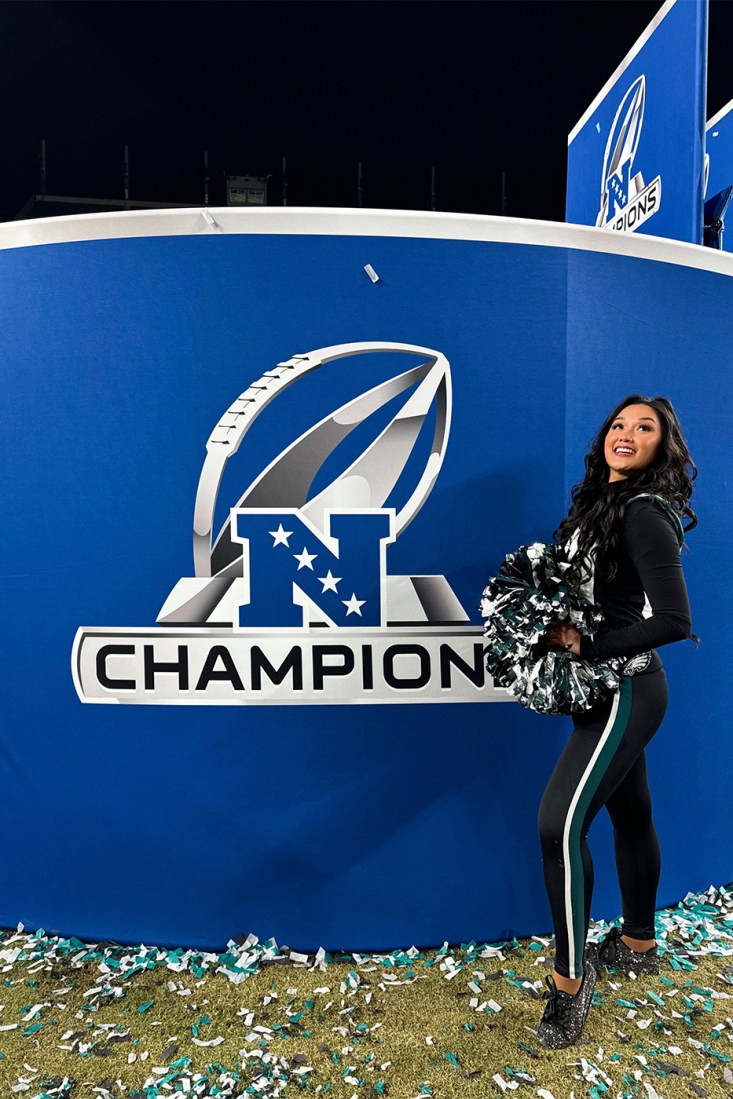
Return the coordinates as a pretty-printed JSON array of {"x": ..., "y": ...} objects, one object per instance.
[
  {"x": 626, "y": 201},
  {"x": 293, "y": 601},
  {"x": 647, "y": 124}
]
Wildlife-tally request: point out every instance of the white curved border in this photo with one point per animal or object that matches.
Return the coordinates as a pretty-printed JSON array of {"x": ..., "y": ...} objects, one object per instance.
[{"x": 325, "y": 221}]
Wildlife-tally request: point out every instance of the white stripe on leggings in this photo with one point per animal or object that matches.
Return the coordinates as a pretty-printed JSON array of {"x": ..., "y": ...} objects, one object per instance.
[{"x": 566, "y": 833}]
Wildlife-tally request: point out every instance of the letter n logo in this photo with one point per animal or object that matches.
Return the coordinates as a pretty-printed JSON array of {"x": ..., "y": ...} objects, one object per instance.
[{"x": 295, "y": 575}]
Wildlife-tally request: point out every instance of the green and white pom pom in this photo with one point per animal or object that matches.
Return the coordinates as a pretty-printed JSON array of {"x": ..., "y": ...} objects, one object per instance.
[{"x": 530, "y": 591}]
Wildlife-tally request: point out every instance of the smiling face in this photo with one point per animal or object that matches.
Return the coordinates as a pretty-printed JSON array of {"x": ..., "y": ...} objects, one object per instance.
[{"x": 632, "y": 442}]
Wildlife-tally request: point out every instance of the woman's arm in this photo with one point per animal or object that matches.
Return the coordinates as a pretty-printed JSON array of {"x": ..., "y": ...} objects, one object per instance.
[{"x": 651, "y": 543}]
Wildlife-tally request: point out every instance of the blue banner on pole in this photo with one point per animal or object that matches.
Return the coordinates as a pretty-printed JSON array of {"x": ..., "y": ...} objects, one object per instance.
[
  {"x": 636, "y": 157},
  {"x": 719, "y": 147}
]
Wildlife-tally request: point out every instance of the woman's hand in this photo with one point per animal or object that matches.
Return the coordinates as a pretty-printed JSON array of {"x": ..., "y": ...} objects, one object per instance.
[{"x": 562, "y": 635}]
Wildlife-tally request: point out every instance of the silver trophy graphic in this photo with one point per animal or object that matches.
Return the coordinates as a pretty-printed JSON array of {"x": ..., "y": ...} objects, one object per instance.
[
  {"x": 618, "y": 186},
  {"x": 212, "y": 596}
]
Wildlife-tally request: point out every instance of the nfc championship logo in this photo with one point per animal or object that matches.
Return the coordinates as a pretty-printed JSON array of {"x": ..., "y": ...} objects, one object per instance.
[
  {"x": 293, "y": 600},
  {"x": 626, "y": 202}
]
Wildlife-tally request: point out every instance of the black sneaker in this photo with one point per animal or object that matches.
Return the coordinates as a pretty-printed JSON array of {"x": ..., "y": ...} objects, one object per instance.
[
  {"x": 564, "y": 1016},
  {"x": 613, "y": 953}
]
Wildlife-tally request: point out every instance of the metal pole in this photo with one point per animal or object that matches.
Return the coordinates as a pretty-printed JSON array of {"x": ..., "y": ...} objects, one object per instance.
[
  {"x": 285, "y": 181},
  {"x": 433, "y": 189},
  {"x": 43, "y": 166},
  {"x": 126, "y": 174},
  {"x": 359, "y": 186},
  {"x": 206, "y": 178}
]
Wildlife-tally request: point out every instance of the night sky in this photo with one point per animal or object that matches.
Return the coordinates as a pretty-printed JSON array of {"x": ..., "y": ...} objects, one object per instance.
[{"x": 474, "y": 87}]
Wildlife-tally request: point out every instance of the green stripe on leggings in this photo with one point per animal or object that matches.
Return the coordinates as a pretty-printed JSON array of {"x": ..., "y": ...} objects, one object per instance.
[{"x": 589, "y": 791}]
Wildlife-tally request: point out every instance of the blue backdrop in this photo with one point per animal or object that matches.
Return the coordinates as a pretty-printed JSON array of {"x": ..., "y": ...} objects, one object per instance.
[{"x": 361, "y": 827}]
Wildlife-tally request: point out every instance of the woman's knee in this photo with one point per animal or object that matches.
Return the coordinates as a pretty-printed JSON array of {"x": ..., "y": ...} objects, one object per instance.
[
  {"x": 550, "y": 825},
  {"x": 633, "y": 817}
]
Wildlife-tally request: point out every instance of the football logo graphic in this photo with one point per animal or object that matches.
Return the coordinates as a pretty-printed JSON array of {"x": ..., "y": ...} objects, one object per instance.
[
  {"x": 292, "y": 600},
  {"x": 626, "y": 203}
]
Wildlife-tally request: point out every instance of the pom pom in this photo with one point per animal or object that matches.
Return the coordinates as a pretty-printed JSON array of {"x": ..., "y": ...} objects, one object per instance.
[{"x": 530, "y": 591}]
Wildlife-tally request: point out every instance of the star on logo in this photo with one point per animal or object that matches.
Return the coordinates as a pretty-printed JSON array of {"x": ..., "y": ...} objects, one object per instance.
[
  {"x": 305, "y": 560},
  {"x": 353, "y": 605},
  {"x": 330, "y": 581},
  {"x": 281, "y": 536}
]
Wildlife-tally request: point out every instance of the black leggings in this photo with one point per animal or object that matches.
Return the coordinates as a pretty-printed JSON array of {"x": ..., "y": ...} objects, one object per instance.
[{"x": 603, "y": 763}]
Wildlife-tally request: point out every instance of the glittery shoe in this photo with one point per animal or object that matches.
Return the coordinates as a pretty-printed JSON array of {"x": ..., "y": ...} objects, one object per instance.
[
  {"x": 564, "y": 1016},
  {"x": 613, "y": 953}
]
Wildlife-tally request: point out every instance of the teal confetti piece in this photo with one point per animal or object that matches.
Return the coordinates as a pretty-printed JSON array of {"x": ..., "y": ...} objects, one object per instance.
[
  {"x": 144, "y": 1007},
  {"x": 452, "y": 1058},
  {"x": 31, "y": 1029}
]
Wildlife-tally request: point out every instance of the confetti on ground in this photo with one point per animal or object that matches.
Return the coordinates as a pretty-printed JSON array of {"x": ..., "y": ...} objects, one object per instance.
[{"x": 118, "y": 1022}]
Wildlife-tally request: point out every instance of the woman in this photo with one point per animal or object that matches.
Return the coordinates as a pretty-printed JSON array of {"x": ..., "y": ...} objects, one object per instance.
[{"x": 625, "y": 520}]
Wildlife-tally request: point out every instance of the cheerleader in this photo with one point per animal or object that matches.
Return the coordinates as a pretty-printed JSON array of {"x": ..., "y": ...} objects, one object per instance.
[{"x": 625, "y": 520}]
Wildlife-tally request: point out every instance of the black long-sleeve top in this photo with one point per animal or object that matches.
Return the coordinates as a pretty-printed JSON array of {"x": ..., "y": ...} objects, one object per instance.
[{"x": 648, "y": 559}]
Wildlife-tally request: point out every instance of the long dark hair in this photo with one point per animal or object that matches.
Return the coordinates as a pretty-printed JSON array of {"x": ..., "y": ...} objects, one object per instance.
[{"x": 597, "y": 506}]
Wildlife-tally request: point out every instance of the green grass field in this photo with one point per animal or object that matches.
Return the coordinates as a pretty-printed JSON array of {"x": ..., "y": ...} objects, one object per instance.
[{"x": 104, "y": 1020}]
